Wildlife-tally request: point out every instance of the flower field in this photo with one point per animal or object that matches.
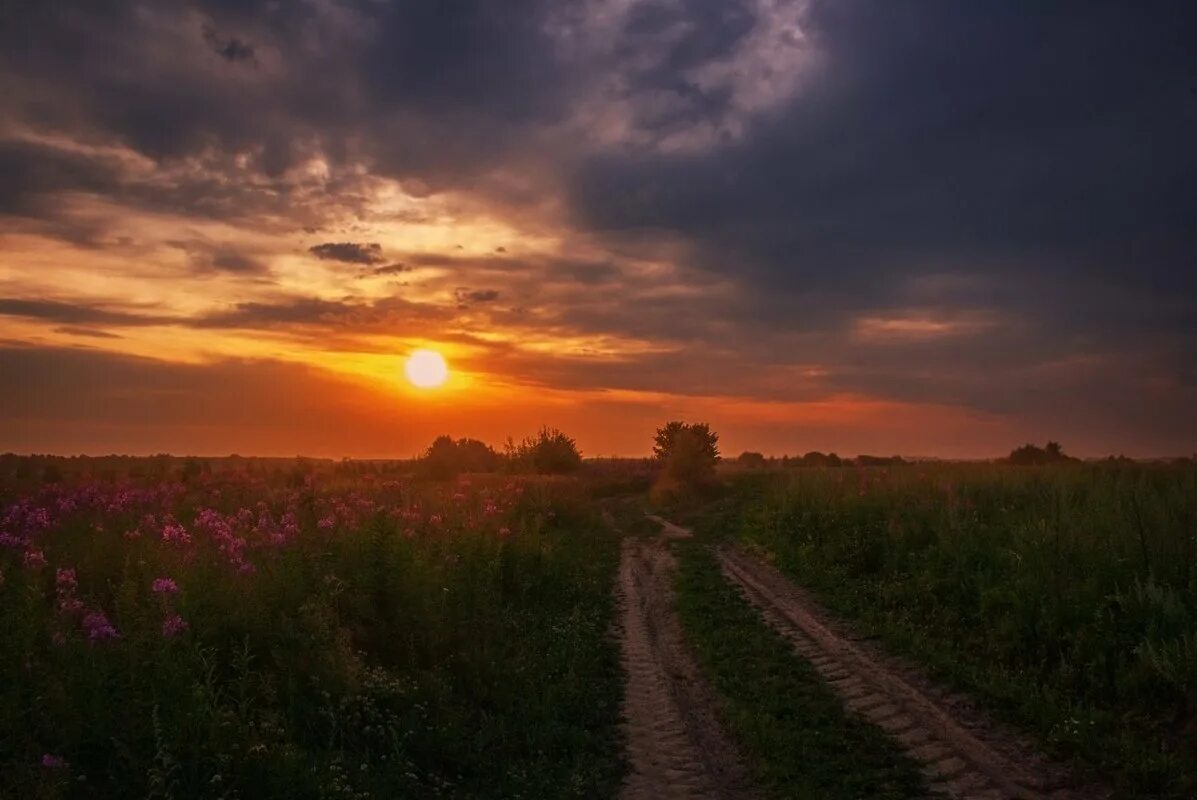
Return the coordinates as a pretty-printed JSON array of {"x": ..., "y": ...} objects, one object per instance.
[{"x": 305, "y": 634}]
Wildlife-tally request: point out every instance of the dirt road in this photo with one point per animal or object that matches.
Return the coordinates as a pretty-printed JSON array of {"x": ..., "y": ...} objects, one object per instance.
[{"x": 676, "y": 747}]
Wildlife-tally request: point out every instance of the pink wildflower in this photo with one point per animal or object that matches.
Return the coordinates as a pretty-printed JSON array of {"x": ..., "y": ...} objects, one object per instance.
[
  {"x": 174, "y": 624},
  {"x": 65, "y": 580},
  {"x": 165, "y": 586},
  {"x": 504, "y": 531},
  {"x": 174, "y": 532},
  {"x": 98, "y": 627},
  {"x": 52, "y": 762},
  {"x": 35, "y": 558}
]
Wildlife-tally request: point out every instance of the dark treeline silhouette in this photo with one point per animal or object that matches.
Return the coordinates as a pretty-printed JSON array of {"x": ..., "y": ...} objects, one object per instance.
[{"x": 1030, "y": 455}]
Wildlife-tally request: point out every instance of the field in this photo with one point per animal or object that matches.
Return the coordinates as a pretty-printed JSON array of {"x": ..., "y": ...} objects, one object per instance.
[
  {"x": 306, "y": 635},
  {"x": 313, "y": 630},
  {"x": 1064, "y": 597}
]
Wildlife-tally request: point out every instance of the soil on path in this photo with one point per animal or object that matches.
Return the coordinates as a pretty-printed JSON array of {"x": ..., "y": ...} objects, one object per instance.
[{"x": 675, "y": 745}]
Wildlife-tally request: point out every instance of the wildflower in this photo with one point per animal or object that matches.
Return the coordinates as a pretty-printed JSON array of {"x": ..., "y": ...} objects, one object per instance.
[
  {"x": 69, "y": 604},
  {"x": 34, "y": 558},
  {"x": 64, "y": 579},
  {"x": 98, "y": 627},
  {"x": 504, "y": 531},
  {"x": 173, "y": 624},
  {"x": 52, "y": 762},
  {"x": 174, "y": 532},
  {"x": 435, "y": 519},
  {"x": 165, "y": 586}
]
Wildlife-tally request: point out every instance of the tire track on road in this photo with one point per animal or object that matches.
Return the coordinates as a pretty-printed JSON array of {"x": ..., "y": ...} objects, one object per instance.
[
  {"x": 964, "y": 754},
  {"x": 675, "y": 745}
]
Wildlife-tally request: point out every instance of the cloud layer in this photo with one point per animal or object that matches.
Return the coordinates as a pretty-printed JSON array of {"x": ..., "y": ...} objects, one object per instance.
[{"x": 980, "y": 213}]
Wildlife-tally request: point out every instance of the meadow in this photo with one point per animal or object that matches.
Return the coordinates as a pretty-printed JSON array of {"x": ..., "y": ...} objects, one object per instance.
[
  {"x": 249, "y": 628},
  {"x": 305, "y": 633},
  {"x": 1063, "y": 597}
]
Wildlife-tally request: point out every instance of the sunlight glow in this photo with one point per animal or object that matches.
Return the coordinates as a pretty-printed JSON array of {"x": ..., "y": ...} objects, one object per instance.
[{"x": 426, "y": 368}]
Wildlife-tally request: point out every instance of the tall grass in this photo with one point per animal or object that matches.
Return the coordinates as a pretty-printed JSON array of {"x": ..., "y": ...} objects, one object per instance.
[
  {"x": 1064, "y": 596},
  {"x": 345, "y": 638}
]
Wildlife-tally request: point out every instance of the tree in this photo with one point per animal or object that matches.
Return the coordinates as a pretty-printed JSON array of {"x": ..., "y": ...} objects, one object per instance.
[
  {"x": 751, "y": 459},
  {"x": 549, "y": 452},
  {"x": 689, "y": 453},
  {"x": 1030, "y": 455},
  {"x": 446, "y": 458}
]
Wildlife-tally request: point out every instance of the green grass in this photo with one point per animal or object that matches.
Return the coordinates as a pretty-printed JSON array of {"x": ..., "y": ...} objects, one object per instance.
[
  {"x": 1065, "y": 598},
  {"x": 790, "y": 726}
]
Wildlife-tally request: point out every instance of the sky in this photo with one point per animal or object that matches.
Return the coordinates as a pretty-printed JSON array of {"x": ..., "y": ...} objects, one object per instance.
[{"x": 934, "y": 228}]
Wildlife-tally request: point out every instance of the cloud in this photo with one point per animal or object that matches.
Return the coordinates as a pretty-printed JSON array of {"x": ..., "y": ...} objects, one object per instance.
[
  {"x": 93, "y": 333},
  {"x": 760, "y": 198},
  {"x": 75, "y": 314},
  {"x": 349, "y": 252},
  {"x": 391, "y": 269},
  {"x": 467, "y": 297},
  {"x": 229, "y": 48}
]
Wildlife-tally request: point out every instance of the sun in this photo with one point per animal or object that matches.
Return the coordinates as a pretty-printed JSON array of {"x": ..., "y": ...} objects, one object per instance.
[{"x": 426, "y": 369}]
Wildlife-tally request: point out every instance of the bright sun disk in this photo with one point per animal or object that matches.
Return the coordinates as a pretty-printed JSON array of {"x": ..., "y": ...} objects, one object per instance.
[{"x": 426, "y": 368}]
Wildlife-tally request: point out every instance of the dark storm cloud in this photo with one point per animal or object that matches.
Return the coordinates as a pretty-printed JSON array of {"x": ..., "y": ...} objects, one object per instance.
[
  {"x": 349, "y": 252},
  {"x": 1046, "y": 138}
]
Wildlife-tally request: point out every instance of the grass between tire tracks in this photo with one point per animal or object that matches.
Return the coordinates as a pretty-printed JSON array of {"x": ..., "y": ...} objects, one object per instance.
[{"x": 794, "y": 732}]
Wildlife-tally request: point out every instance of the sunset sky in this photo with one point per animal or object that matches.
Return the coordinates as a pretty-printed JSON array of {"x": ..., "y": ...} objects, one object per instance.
[{"x": 934, "y": 228}]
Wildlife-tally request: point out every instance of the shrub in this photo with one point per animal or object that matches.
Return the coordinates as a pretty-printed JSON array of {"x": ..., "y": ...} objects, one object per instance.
[
  {"x": 447, "y": 458},
  {"x": 549, "y": 452}
]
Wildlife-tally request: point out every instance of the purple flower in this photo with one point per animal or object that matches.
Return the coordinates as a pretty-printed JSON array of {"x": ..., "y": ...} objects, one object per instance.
[
  {"x": 173, "y": 624},
  {"x": 98, "y": 627},
  {"x": 52, "y": 762},
  {"x": 165, "y": 586},
  {"x": 65, "y": 580}
]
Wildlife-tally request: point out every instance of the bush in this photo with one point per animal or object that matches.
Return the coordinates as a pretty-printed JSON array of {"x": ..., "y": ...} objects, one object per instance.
[
  {"x": 549, "y": 452},
  {"x": 447, "y": 458}
]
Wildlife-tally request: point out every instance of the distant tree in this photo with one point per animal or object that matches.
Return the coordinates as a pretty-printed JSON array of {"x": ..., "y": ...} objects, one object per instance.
[
  {"x": 1030, "y": 455},
  {"x": 816, "y": 459},
  {"x": 446, "y": 458},
  {"x": 549, "y": 452},
  {"x": 688, "y": 453},
  {"x": 666, "y": 434},
  {"x": 879, "y": 461},
  {"x": 440, "y": 460},
  {"x": 751, "y": 459}
]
